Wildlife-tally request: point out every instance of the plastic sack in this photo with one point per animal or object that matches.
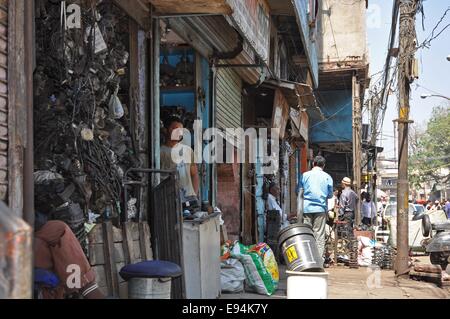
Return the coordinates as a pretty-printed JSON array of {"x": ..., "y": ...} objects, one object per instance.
[
  {"x": 232, "y": 276},
  {"x": 42, "y": 177},
  {"x": 270, "y": 262},
  {"x": 116, "y": 110},
  {"x": 257, "y": 276},
  {"x": 365, "y": 258},
  {"x": 366, "y": 242}
]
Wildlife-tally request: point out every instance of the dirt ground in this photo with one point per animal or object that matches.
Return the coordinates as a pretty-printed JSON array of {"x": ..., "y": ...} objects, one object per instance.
[{"x": 363, "y": 283}]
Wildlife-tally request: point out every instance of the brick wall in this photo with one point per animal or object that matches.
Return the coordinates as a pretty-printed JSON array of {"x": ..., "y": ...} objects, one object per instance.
[{"x": 228, "y": 198}]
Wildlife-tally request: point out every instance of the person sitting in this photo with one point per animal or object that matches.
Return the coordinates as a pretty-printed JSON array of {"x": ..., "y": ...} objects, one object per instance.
[
  {"x": 56, "y": 249},
  {"x": 273, "y": 204}
]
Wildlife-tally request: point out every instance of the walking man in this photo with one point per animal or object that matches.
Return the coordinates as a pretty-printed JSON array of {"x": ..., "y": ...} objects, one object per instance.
[
  {"x": 318, "y": 188},
  {"x": 348, "y": 201},
  {"x": 447, "y": 208},
  {"x": 368, "y": 210}
]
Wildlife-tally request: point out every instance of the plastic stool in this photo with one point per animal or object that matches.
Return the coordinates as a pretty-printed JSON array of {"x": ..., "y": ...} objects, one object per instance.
[
  {"x": 44, "y": 279},
  {"x": 150, "y": 279}
]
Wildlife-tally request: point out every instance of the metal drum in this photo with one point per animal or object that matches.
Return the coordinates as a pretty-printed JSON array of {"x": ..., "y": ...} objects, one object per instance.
[
  {"x": 149, "y": 288},
  {"x": 299, "y": 248}
]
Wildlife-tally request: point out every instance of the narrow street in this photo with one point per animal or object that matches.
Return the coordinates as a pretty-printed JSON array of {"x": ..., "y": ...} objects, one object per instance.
[
  {"x": 178, "y": 149},
  {"x": 345, "y": 283}
]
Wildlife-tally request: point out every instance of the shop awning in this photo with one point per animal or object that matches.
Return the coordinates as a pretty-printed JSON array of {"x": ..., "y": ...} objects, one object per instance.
[
  {"x": 191, "y": 7},
  {"x": 298, "y": 95},
  {"x": 300, "y": 100}
]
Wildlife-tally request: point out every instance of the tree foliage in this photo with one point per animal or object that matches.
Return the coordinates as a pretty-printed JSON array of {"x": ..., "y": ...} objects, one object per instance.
[{"x": 430, "y": 150}]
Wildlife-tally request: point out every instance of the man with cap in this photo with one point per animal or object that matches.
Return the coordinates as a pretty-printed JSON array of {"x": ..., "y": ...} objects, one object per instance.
[
  {"x": 318, "y": 188},
  {"x": 348, "y": 201}
]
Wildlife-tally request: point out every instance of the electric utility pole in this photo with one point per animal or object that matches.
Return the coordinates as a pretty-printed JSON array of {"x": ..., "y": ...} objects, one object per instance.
[
  {"x": 408, "y": 10},
  {"x": 374, "y": 111},
  {"x": 357, "y": 140}
]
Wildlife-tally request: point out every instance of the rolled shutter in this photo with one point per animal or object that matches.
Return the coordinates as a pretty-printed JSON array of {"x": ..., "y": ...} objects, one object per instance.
[{"x": 229, "y": 99}]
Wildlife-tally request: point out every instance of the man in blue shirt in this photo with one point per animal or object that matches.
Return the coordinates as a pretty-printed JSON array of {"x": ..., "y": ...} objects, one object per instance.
[
  {"x": 447, "y": 208},
  {"x": 318, "y": 188}
]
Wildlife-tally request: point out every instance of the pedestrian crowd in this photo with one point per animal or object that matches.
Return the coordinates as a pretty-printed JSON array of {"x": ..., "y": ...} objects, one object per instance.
[
  {"x": 437, "y": 205},
  {"x": 323, "y": 204}
]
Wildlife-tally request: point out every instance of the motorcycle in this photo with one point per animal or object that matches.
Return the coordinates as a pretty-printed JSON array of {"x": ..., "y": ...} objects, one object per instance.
[{"x": 438, "y": 243}]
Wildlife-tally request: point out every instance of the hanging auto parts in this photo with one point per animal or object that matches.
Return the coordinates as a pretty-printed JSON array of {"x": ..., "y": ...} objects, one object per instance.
[{"x": 82, "y": 121}]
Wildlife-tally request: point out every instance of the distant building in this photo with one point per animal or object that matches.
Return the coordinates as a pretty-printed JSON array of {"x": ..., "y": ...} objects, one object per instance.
[
  {"x": 343, "y": 59},
  {"x": 388, "y": 176}
]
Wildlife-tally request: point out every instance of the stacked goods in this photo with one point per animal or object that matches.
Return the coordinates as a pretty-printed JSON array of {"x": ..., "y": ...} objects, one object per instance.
[
  {"x": 83, "y": 124},
  {"x": 384, "y": 256}
]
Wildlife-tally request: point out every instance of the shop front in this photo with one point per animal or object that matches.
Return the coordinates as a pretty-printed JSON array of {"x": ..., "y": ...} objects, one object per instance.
[
  {"x": 279, "y": 105},
  {"x": 232, "y": 57},
  {"x": 90, "y": 129},
  {"x": 204, "y": 63}
]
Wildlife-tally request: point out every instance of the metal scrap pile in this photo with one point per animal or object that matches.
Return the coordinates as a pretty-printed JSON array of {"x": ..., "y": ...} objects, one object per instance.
[
  {"x": 82, "y": 124},
  {"x": 384, "y": 257}
]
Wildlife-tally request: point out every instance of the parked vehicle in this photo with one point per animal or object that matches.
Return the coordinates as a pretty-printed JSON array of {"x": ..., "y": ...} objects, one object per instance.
[
  {"x": 416, "y": 236},
  {"x": 438, "y": 246},
  {"x": 419, "y": 209},
  {"x": 390, "y": 211}
]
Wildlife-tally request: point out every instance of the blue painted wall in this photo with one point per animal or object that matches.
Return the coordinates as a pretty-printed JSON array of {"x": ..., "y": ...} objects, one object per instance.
[
  {"x": 337, "y": 108},
  {"x": 183, "y": 96},
  {"x": 301, "y": 10}
]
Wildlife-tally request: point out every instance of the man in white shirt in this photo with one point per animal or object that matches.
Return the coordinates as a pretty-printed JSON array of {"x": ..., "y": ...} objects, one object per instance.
[
  {"x": 272, "y": 203},
  {"x": 368, "y": 210},
  {"x": 188, "y": 173}
]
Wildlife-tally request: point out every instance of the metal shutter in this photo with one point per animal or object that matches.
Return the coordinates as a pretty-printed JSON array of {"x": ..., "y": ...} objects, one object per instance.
[
  {"x": 3, "y": 99},
  {"x": 229, "y": 99}
]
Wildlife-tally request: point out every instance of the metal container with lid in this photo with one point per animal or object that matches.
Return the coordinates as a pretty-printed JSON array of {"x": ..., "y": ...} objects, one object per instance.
[{"x": 299, "y": 248}]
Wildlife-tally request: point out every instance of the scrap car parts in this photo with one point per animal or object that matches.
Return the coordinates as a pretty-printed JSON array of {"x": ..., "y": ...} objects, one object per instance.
[
  {"x": 383, "y": 257},
  {"x": 82, "y": 123}
]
